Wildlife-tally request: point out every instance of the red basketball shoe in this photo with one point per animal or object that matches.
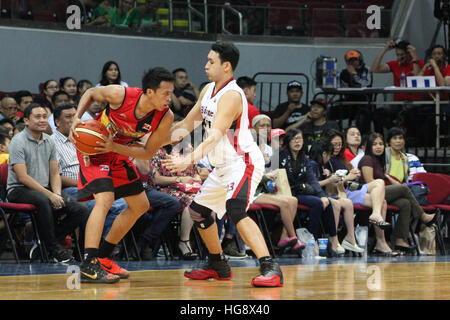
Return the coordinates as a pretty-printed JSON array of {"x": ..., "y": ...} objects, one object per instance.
[
  {"x": 109, "y": 266},
  {"x": 219, "y": 270},
  {"x": 271, "y": 275}
]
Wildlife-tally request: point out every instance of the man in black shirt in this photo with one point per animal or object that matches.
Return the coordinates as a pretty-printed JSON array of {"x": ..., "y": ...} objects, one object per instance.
[
  {"x": 182, "y": 100},
  {"x": 316, "y": 123},
  {"x": 355, "y": 75},
  {"x": 293, "y": 112}
]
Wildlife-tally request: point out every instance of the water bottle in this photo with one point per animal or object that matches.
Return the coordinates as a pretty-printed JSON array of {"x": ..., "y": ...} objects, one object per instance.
[
  {"x": 403, "y": 80},
  {"x": 271, "y": 186},
  {"x": 364, "y": 80},
  {"x": 310, "y": 250}
]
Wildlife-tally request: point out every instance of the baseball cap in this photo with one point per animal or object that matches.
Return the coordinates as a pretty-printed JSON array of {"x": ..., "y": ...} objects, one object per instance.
[
  {"x": 276, "y": 132},
  {"x": 352, "y": 54},
  {"x": 321, "y": 102},
  {"x": 294, "y": 84}
]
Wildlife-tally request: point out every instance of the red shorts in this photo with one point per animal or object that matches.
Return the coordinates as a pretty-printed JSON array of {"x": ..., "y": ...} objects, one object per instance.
[{"x": 108, "y": 172}]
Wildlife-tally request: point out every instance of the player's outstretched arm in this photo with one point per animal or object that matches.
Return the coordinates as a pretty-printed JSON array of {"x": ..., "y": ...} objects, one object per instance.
[
  {"x": 229, "y": 109},
  {"x": 188, "y": 124}
]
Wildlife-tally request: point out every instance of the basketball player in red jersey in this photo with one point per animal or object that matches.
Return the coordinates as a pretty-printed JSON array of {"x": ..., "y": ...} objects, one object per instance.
[
  {"x": 238, "y": 167},
  {"x": 131, "y": 113}
]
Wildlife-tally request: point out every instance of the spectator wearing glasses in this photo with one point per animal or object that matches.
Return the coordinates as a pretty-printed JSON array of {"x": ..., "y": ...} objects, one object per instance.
[{"x": 49, "y": 89}]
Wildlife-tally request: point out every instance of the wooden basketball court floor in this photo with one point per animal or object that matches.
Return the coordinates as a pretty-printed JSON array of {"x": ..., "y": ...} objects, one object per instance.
[{"x": 347, "y": 278}]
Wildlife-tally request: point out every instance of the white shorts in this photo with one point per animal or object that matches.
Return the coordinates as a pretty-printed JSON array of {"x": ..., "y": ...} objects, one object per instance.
[{"x": 237, "y": 181}]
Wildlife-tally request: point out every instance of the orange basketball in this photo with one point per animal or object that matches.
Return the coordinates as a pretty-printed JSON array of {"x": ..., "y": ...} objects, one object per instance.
[{"x": 88, "y": 134}]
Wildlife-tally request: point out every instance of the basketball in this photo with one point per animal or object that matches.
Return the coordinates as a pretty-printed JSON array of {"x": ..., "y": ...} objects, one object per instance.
[{"x": 88, "y": 134}]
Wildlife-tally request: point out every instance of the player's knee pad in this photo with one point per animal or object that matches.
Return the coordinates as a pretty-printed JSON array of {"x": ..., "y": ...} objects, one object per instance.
[
  {"x": 202, "y": 216},
  {"x": 236, "y": 210}
]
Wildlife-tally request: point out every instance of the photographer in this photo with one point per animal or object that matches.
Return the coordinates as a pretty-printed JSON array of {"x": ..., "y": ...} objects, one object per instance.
[
  {"x": 407, "y": 64},
  {"x": 183, "y": 101}
]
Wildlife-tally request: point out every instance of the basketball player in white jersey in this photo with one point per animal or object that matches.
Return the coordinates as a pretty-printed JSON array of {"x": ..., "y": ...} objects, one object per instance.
[{"x": 238, "y": 167}]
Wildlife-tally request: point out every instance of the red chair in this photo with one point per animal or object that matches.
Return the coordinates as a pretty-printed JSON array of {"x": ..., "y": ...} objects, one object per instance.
[
  {"x": 44, "y": 15},
  {"x": 325, "y": 30},
  {"x": 11, "y": 209},
  {"x": 439, "y": 186}
]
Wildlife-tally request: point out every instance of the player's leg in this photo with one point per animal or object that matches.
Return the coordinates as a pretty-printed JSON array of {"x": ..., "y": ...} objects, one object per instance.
[
  {"x": 137, "y": 206},
  {"x": 216, "y": 267},
  {"x": 91, "y": 269},
  {"x": 245, "y": 178}
]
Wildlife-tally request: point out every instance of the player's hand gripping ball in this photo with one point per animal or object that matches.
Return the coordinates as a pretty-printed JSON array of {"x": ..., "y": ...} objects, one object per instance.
[{"x": 89, "y": 132}]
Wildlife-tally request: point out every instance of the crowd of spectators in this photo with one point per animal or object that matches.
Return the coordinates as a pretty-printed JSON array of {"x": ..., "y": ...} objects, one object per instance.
[{"x": 298, "y": 137}]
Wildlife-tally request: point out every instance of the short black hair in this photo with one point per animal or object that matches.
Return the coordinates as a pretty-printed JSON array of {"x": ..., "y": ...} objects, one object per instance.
[
  {"x": 318, "y": 148},
  {"x": 7, "y": 120},
  {"x": 403, "y": 45},
  {"x": 153, "y": 78},
  {"x": 29, "y": 109},
  {"x": 59, "y": 109},
  {"x": 20, "y": 94},
  {"x": 58, "y": 93},
  {"x": 395, "y": 131},
  {"x": 81, "y": 83},
  {"x": 3, "y": 137},
  {"x": 245, "y": 82},
  {"x": 178, "y": 70},
  {"x": 227, "y": 52},
  {"x": 439, "y": 46}
]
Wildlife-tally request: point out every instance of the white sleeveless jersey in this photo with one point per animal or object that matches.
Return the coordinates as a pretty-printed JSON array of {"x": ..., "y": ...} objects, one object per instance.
[{"x": 238, "y": 143}]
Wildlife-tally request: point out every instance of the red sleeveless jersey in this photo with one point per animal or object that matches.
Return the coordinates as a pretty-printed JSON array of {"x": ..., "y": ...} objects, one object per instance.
[{"x": 123, "y": 124}]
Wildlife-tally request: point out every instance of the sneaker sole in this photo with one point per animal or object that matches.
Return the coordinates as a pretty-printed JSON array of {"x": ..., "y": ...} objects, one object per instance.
[
  {"x": 236, "y": 257},
  {"x": 273, "y": 281},
  {"x": 205, "y": 274}
]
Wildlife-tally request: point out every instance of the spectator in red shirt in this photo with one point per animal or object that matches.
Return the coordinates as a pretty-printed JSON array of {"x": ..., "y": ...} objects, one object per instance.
[
  {"x": 248, "y": 85},
  {"x": 437, "y": 66},
  {"x": 409, "y": 64}
]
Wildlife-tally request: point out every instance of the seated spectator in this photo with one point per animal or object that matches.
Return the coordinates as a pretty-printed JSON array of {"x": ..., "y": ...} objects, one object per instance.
[
  {"x": 352, "y": 143},
  {"x": 293, "y": 112},
  {"x": 60, "y": 98},
  {"x": 125, "y": 15},
  {"x": 320, "y": 154},
  {"x": 82, "y": 86},
  {"x": 111, "y": 75},
  {"x": 4, "y": 145},
  {"x": 50, "y": 87},
  {"x": 293, "y": 158},
  {"x": 69, "y": 86},
  {"x": 8, "y": 108},
  {"x": 316, "y": 122},
  {"x": 148, "y": 14},
  {"x": 397, "y": 164},
  {"x": 102, "y": 13},
  {"x": 172, "y": 184},
  {"x": 355, "y": 75},
  {"x": 437, "y": 66},
  {"x": 182, "y": 100},
  {"x": 370, "y": 195},
  {"x": 69, "y": 166},
  {"x": 9, "y": 125},
  {"x": 407, "y": 64},
  {"x": 263, "y": 127},
  {"x": 33, "y": 178},
  {"x": 248, "y": 85},
  {"x": 337, "y": 160},
  {"x": 372, "y": 166},
  {"x": 287, "y": 204},
  {"x": 23, "y": 99}
]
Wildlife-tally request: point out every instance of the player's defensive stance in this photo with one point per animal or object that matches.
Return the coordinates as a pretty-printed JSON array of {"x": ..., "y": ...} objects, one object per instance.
[{"x": 238, "y": 167}]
